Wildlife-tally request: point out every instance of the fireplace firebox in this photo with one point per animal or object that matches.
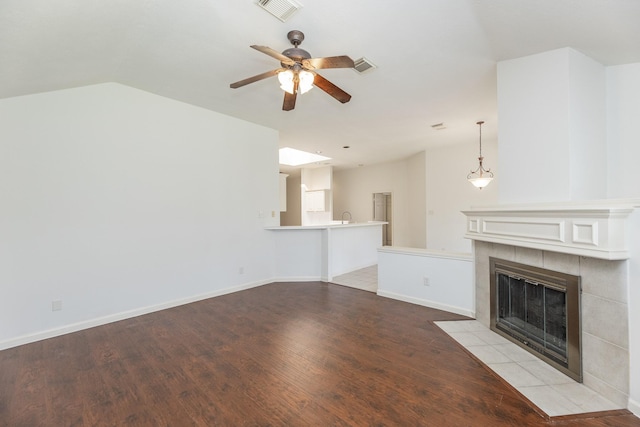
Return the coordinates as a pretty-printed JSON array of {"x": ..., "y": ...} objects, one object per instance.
[{"x": 539, "y": 310}]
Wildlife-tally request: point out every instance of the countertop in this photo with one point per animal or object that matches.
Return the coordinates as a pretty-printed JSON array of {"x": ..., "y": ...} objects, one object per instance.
[{"x": 327, "y": 226}]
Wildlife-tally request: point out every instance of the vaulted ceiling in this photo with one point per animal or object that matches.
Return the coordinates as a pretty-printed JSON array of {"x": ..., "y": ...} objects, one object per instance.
[{"x": 436, "y": 59}]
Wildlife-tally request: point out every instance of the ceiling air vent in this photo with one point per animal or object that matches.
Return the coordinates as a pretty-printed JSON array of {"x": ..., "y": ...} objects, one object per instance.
[
  {"x": 281, "y": 9},
  {"x": 363, "y": 64}
]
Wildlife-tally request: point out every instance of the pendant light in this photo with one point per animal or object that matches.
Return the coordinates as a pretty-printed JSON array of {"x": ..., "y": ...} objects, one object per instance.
[{"x": 480, "y": 177}]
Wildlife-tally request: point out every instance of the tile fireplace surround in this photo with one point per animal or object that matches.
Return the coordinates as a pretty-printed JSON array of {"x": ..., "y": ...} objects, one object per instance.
[{"x": 584, "y": 240}]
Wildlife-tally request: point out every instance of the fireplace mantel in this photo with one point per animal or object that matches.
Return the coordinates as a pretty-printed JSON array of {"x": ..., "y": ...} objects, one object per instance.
[{"x": 596, "y": 229}]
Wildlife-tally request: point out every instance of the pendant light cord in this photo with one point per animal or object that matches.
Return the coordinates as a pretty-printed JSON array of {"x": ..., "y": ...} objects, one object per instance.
[{"x": 480, "y": 125}]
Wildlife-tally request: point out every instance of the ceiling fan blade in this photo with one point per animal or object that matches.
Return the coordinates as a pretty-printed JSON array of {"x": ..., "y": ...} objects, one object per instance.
[
  {"x": 329, "y": 62},
  {"x": 331, "y": 89},
  {"x": 274, "y": 54},
  {"x": 289, "y": 101},
  {"x": 255, "y": 78}
]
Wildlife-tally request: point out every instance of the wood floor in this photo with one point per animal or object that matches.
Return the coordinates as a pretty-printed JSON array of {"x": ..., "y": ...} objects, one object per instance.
[{"x": 284, "y": 354}]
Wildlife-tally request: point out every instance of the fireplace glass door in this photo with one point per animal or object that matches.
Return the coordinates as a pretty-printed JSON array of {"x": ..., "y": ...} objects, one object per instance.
[{"x": 535, "y": 312}]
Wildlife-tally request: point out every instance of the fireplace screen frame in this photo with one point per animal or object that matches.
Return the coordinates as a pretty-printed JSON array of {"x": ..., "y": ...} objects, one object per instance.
[{"x": 570, "y": 284}]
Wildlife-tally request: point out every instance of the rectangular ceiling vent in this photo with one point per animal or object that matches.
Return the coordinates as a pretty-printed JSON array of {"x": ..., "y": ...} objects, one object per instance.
[
  {"x": 363, "y": 64},
  {"x": 281, "y": 9}
]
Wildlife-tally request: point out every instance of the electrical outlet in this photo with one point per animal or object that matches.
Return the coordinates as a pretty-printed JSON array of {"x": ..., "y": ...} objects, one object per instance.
[
  {"x": 241, "y": 270},
  {"x": 426, "y": 281},
  {"x": 56, "y": 305}
]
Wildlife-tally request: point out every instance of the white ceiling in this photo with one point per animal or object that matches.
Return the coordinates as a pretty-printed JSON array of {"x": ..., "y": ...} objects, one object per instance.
[{"x": 436, "y": 59}]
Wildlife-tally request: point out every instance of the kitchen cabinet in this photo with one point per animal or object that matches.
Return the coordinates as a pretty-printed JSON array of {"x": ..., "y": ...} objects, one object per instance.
[{"x": 317, "y": 201}]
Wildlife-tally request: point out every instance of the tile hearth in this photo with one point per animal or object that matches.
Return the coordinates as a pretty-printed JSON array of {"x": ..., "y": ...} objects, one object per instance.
[{"x": 550, "y": 390}]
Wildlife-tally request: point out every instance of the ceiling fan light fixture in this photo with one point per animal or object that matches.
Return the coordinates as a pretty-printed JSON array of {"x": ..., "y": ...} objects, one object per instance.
[
  {"x": 306, "y": 81},
  {"x": 286, "y": 81}
]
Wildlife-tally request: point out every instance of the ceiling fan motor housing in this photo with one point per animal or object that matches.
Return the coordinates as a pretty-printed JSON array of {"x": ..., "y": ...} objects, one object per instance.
[
  {"x": 296, "y": 54},
  {"x": 296, "y": 37}
]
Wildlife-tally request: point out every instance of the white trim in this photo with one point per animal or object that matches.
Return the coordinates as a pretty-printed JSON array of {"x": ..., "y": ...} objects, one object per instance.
[
  {"x": 594, "y": 229},
  {"x": 634, "y": 407},
  {"x": 99, "y": 321},
  {"x": 299, "y": 279},
  {"x": 533, "y": 228},
  {"x": 588, "y": 227},
  {"x": 426, "y": 253},
  {"x": 427, "y": 303}
]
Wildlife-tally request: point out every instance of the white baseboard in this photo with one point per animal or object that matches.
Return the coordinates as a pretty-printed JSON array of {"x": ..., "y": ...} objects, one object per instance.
[
  {"x": 299, "y": 279},
  {"x": 427, "y": 303},
  {"x": 75, "y": 327},
  {"x": 634, "y": 407}
]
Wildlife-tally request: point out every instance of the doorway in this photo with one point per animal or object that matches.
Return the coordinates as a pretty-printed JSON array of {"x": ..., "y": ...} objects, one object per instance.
[{"x": 382, "y": 211}]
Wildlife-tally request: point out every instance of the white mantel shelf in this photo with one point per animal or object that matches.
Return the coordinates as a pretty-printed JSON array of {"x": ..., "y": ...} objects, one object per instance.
[{"x": 596, "y": 229}]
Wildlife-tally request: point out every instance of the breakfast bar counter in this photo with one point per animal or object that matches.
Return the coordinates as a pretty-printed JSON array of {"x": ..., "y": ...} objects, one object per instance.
[{"x": 320, "y": 252}]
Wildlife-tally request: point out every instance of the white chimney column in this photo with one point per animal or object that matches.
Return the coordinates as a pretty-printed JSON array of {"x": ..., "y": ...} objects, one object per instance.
[{"x": 552, "y": 128}]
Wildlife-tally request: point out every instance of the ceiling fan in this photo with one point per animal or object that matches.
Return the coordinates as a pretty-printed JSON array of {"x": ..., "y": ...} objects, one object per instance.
[{"x": 297, "y": 73}]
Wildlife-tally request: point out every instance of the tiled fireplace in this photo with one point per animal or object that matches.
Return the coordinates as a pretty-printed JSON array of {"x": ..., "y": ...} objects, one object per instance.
[{"x": 585, "y": 241}]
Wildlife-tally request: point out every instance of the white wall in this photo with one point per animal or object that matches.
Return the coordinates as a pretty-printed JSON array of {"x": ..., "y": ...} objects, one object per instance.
[
  {"x": 114, "y": 201},
  {"x": 301, "y": 254},
  {"x": 429, "y": 192},
  {"x": 353, "y": 191},
  {"x": 623, "y": 135},
  {"x": 634, "y": 314},
  {"x": 623, "y": 132},
  {"x": 587, "y": 127},
  {"x": 449, "y": 192},
  {"x": 417, "y": 206},
  {"x": 352, "y": 248},
  {"x": 449, "y": 278},
  {"x": 552, "y": 121}
]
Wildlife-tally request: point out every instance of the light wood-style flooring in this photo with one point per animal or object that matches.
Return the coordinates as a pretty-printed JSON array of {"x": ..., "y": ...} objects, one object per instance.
[{"x": 284, "y": 354}]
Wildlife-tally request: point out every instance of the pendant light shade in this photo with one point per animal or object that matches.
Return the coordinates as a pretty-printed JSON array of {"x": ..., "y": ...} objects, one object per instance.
[
  {"x": 480, "y": 177},
  {"x": 286, "y": 81},
  {"x": 306, "y": 81}
]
